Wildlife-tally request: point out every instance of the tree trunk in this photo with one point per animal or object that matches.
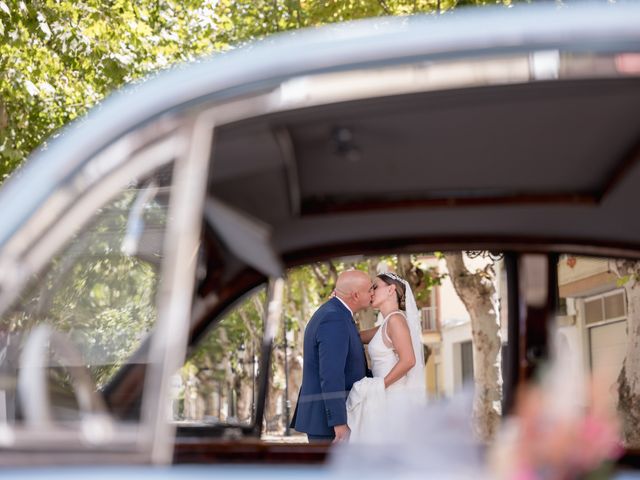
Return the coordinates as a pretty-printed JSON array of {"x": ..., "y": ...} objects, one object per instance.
[
  {"x": 477, "y": 292},
  {"x": 367, "y": 318},
  {"x": 295, "y": 352},
  {"x": 405, "y": 267},
  {"x": 276, "y": 391},
  {"x": 243, "y": 385},
  {"x": 229, "y": 377},
  {"x": 629, "y": 377}
]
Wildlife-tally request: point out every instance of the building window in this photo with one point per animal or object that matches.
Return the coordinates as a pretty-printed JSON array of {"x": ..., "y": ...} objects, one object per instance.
[
  {"x": 607, "y": 336},
  {"x": 614, "y": 306},
  {"x": 466, "y": 361},
  {"x": 605, "y": 308},
  {"x": 429, "y": 319}
]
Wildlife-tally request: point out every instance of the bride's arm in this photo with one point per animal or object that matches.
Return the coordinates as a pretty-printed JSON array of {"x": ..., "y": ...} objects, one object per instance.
[
  {"x": 367, "y": 335},
  {"x": 398, "y": 332}
]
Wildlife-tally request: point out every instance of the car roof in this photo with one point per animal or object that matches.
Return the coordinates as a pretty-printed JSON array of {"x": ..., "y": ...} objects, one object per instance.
[{"x": 534, "y": 163}]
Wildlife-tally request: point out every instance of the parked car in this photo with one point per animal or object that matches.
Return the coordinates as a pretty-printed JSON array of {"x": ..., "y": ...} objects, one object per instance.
[{"x": 136, "y": 230}]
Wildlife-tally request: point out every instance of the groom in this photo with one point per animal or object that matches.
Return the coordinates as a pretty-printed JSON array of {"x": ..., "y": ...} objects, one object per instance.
[{"x": 334, "y": 360}]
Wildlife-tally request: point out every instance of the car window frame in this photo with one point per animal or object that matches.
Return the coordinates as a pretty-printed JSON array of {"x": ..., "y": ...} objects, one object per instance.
[{"x": 176, "y": 140}]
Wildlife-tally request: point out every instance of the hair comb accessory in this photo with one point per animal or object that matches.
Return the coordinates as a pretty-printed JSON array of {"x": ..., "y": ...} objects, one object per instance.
[{"x": 393, "y": 276}]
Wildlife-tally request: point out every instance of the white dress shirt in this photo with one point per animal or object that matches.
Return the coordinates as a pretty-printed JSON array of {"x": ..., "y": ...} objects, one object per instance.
[{"x": 345, "y": 305}]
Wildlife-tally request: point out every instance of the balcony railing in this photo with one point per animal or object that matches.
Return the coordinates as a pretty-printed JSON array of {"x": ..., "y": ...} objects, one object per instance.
[{"x": 429, "y": 319}]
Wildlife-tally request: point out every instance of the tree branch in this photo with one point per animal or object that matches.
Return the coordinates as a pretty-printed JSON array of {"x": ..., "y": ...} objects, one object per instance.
[
  {"x": 385, "y": 7},
  {"x": 259, "y": 305},
  {"x": 274, "y": 18},
  {"x": 249, "y": 324},
  {"x": 4, "y": 118},
  {"x": 317, "y": 272},
  {"x": 333, "y": 272}
]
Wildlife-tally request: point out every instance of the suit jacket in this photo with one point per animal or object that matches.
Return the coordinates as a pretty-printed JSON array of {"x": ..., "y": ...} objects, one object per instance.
[{"x": 334, "y": 360}]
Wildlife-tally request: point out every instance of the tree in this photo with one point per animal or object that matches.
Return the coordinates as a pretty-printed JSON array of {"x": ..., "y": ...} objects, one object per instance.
[
  {"x": 477, "y": 292},
  {"x": 223, "y": 366},
  {"x": 60, "y": 58},
  {"x": 102, "y": 299}
]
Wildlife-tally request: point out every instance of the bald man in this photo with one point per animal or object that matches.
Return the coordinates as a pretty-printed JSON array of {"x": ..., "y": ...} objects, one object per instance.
[{"x": 334, "y": 360}]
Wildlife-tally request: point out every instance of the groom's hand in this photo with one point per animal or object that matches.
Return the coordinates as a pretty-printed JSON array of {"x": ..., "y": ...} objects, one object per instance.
[{"x": 342, "y": 433}]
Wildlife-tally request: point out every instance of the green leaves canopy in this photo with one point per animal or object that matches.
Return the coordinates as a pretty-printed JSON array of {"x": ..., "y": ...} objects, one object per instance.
[{"x": 58, "y": 58}]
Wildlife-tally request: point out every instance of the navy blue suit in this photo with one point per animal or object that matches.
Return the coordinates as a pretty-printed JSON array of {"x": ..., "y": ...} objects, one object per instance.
[{"x": 333, "y": 361}]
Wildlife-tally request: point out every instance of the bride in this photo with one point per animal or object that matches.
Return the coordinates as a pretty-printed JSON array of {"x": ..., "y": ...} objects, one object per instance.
[{"x": 397, "y": 363}]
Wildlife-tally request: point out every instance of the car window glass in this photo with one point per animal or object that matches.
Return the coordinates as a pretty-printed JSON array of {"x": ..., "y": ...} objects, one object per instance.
[
  {"x": 218, "y": 383},
  {"x": 94, "y": 304},
  {"x": 449, "y": 346}
]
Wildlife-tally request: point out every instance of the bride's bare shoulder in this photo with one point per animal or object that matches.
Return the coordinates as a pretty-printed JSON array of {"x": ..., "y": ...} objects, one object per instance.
[{"x": 397, "y": 320}]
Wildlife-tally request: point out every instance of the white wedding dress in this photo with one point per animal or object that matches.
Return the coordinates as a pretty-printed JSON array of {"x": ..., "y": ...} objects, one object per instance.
[
  {"x": 383, "y": 358},
  {"x": 376, "y": 414}
]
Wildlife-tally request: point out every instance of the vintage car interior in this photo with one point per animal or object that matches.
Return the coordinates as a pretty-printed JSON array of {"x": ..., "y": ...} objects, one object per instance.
[
  {"x": 524, "y": 171},
  {"x": 525, "y": 146}
]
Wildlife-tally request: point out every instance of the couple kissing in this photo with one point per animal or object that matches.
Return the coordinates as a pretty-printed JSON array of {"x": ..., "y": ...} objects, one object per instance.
[{"x": 340, "y": 398}]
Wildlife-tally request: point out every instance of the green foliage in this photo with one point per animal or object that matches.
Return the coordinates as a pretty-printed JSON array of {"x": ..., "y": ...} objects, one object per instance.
[
  {"x": 241, "y": 21},
  {"x": 624, "y": 280},
  {"x": 104, "y": 299},
  {"x": 427, "y": 279},
  {"x": 621, "y": 281},
  {"x": 58, "y": 58},
  {"x": 231, "y": 340}
]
